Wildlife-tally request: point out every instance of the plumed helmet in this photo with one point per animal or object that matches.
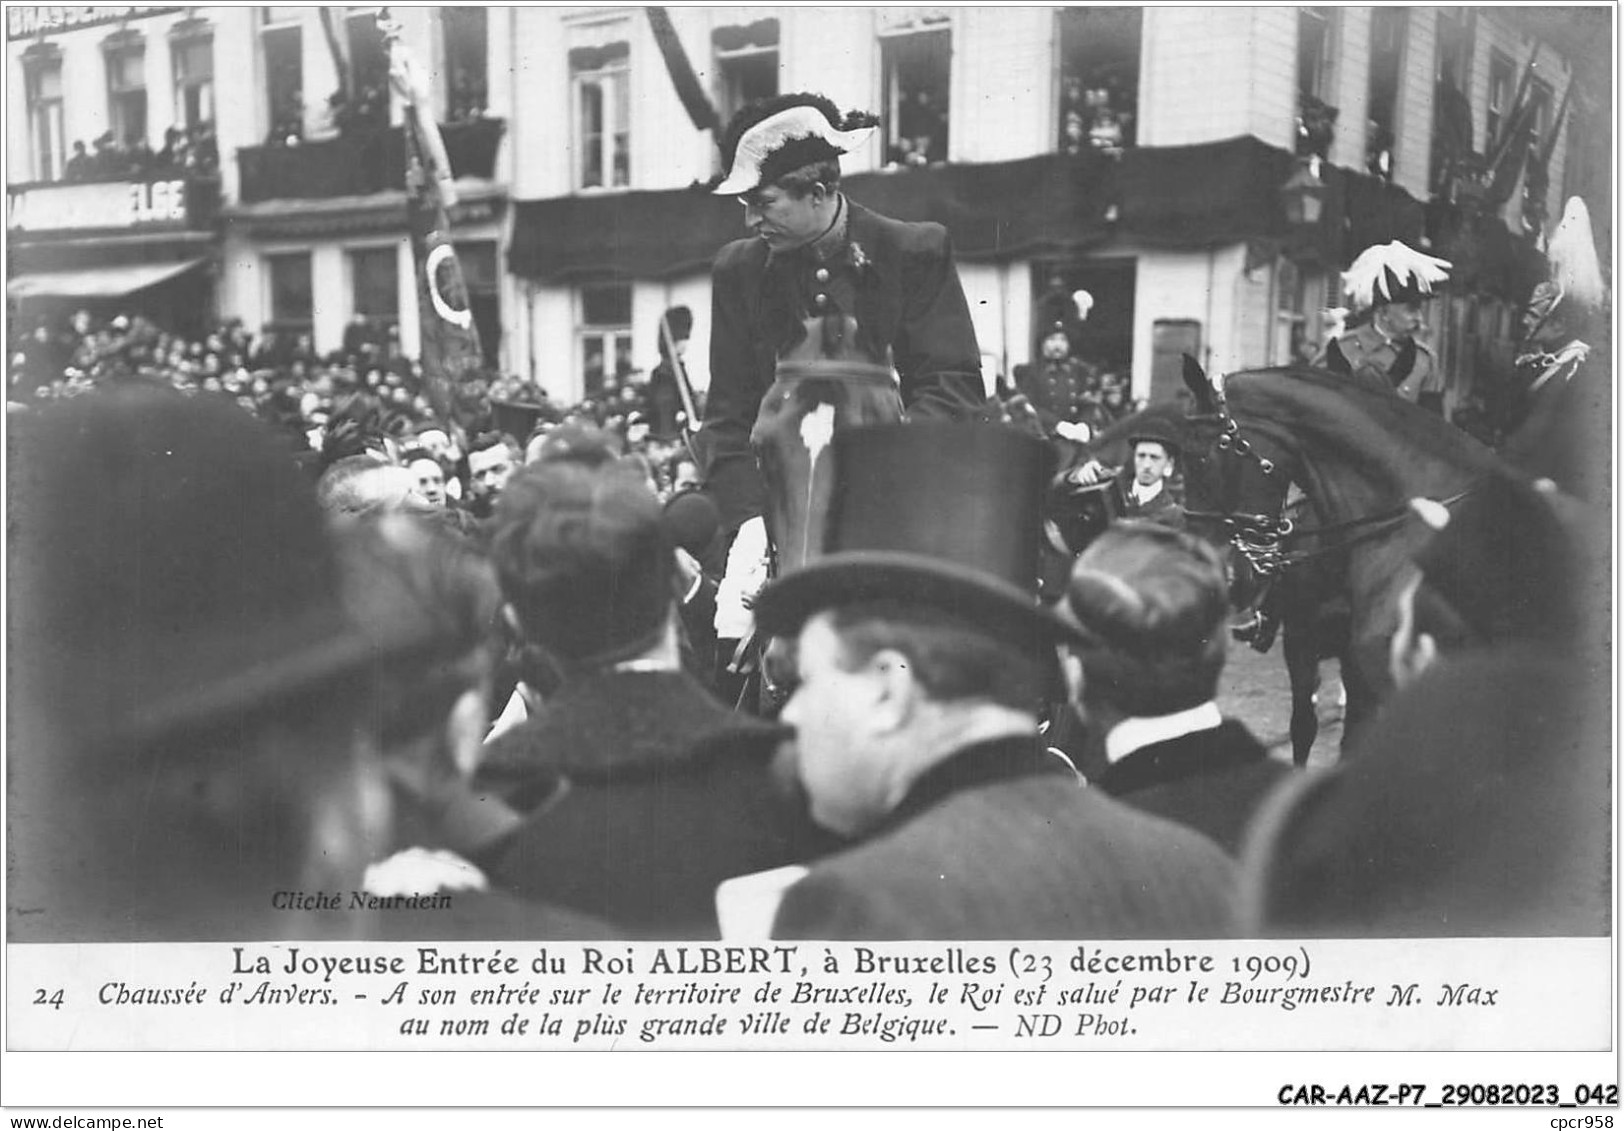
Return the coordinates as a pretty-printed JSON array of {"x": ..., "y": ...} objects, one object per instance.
[
  {"x": 1392, "y": 273},
  {"x": 775, "y": 136}
]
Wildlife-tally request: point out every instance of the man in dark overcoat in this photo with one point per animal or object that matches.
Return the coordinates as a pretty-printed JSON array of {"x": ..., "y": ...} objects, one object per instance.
[
  {"x": 642, "y": 792},
  {"x": 811, "y": 251},
  {"x": 923, "y": 654},
  {"x": 1151, "y": 606}
]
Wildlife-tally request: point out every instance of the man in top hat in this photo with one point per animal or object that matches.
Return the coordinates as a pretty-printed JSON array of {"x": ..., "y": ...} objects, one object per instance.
[
  {"x": 194, "y": 735},
  {"x": 811, "y": 251},
  {"x": 1151, "y": 606},
  {"x": 1478, "y": 802},
  {"x": 923, "y": 655},
  {"x": 667, "y": 792},
  {"x": 1387, "y": 288}
]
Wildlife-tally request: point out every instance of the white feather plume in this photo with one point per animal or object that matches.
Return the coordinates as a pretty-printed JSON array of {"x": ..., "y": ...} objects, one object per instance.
[
  {"x": 1084, "y": 302},
  {"x": 1572, "y": 257},
  {"x": 1368, "y": 275}
]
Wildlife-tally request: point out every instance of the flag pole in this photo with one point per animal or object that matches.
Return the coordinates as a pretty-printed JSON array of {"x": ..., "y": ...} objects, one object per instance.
[{"x": 684, "y": 390}]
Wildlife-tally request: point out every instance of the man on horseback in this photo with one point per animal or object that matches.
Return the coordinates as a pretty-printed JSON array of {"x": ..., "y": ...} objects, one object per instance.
[
  {"x": 1387, "y": 287},
  {"x": 813, "y": 253}
]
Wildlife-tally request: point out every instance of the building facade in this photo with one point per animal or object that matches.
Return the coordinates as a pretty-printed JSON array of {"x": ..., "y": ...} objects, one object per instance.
[
  {"x": 1140, "y": 154},
  {"x": 1154, "y": 157}
]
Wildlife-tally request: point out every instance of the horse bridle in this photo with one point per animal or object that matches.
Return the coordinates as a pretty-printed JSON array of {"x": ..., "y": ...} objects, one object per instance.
[
  {"x": 1260, "y": 539},
  {"x": 1257, "y": 538}
]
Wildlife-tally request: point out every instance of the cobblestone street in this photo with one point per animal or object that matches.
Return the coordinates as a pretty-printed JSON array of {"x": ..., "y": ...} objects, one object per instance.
[{"x": 1255, "y": 690}]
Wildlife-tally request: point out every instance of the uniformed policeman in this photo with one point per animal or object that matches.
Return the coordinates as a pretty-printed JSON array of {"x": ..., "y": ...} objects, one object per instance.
[
  {"x": 1387, "y": 289},
  {"x": 1061, "y": 388}
]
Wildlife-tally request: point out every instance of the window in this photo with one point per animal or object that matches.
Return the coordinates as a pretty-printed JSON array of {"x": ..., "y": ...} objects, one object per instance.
[
  {"x": 1298, "y": 294},
  {"x": 1099, "y": 79},
  {"x": 1543, "y": 101},
  {"x": 369, "y": 68},
  {"x": 1451, "y": 105},
  {"x": 127, "y": 92},
  {"x": 605, "y": 336},
  {"x": 284, "y": 82},
  {"x": 194, "y": 80},
  {"x": 1387, "y": 27},
  {"x": 291, "y": 298},
  {"x": 602, "y": 83},
  {"x": 467, "y": 83},
  {"x": 916, "y": 68},
  {"x": 746, "y": 66},
  {"x": 1316, "y": 48},
  {"x": 374, "y": 286},
  {"x": 1502, "y": 74},
  {"x": 44, "y": 83}
]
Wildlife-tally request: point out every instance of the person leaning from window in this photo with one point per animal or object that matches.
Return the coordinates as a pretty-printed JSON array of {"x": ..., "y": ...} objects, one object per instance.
[{"x": 811, "y": 251}]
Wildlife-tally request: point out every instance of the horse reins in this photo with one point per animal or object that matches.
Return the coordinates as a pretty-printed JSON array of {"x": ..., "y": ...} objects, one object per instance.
[{"x": 1261, "y": 539}]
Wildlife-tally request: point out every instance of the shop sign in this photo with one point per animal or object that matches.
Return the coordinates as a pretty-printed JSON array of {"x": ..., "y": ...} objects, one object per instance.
[
  {"x": 110, "y": 204},
  {"x": 24, "y": 21}
]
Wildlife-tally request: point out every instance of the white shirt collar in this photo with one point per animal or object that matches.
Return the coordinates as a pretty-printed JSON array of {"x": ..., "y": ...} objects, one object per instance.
[
  {"x": 1145, "y": 494},
  {"x": 1135, "y": 734}
]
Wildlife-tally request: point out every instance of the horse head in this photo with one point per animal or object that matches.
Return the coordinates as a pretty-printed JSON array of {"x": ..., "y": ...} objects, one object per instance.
[
  {"x": 1235, "y": 488},
  {"x": 827, "y": 382}
]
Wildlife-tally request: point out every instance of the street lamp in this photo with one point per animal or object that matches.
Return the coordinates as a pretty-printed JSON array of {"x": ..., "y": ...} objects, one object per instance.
[{"x": 1303, "y": 195}]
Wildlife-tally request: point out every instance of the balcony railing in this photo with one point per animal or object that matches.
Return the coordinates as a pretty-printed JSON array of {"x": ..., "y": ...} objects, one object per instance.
[{"x": 359, "y": 165}]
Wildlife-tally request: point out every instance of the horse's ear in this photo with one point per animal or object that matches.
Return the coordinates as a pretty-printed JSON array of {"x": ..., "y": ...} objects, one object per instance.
[
  {"x": 1335, "y": 360},
  {"x": 1195, "y": 379}
]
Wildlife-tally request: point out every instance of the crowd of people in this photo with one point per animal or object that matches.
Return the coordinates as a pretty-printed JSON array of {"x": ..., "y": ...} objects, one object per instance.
[
  {"x": 188, "y": 150},
  {"x": 325, "y": 405}
]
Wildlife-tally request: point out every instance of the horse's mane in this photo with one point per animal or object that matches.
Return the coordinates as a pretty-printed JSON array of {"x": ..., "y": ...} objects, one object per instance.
[{"x": 1325, "y": 410}]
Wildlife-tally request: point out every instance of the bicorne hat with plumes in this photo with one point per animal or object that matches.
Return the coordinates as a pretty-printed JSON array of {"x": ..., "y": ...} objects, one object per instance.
[
  {"x": 1392, "y": 273},
  {"x": 775, "y": 136}
]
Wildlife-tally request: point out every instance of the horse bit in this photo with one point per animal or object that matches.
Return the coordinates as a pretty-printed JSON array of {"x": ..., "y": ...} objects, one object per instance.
[{"x": 1258, "y": 538}]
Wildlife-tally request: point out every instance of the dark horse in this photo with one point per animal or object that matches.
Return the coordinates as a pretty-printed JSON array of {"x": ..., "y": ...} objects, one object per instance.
[
  {"x": 823, "y": 385},
  {"x": 1358, "y": 455}
]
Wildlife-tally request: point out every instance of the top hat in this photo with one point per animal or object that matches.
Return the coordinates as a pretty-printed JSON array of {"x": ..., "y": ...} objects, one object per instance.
[
  {"x": 767, "y": 139},
  {"x": 938, "y": 514},
  {"x": 517, "y": 419},
  {"x": 177, "y": 569}
]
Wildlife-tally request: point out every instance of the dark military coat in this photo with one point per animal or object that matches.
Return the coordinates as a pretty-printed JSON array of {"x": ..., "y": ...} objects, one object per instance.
[
  {"x": 897, "y": 279},
  {"x": 1065, "y": 390}
]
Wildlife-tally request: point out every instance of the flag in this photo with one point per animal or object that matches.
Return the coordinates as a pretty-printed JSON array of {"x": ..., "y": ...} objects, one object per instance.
[
  {"x": 336, "y": 45},
  {"x": 692, "y": 95},
  {"x": 449, "y": 340}
]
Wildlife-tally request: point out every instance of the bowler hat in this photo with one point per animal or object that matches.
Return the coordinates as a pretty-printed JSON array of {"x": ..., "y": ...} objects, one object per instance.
[
  {"x": 940, "y": 514},
  {"x": 1156, "y": 430},
  {"x": 1148, "y": 589},
  {"x": 173, "y": 569}
]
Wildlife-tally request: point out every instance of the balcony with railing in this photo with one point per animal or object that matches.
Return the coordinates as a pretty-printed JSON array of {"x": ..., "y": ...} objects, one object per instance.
[{"x": 360, "y": 162}]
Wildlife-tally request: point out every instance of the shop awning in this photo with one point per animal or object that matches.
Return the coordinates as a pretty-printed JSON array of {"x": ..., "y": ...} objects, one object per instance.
[{"x": 99, "y": 282}]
